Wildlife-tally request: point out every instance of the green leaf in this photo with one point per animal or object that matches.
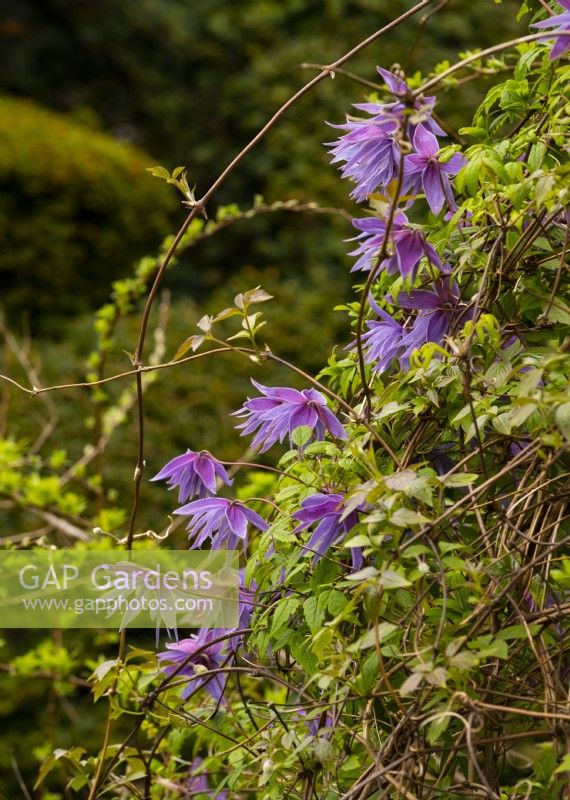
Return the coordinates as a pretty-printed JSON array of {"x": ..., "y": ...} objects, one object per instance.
[
  {"x": 475, "y": 133},
  {"x": 411, "y": 684},
  {"x": 390, "y": 579},
  {"x": 363, "y": 574},
  {"x": 314, "y": 615},
  {"x": 437, "y": 728},
  {"x": 358, "y": 541},
  {"x": 401, "y": 481},
  {"x": 536, "y": 156},
  {"x": 322, "y": 641},
  {"x": 336, "y": 602},
  {"x": 564, "y": 765},
  {"x": 405, "y": 518},
  {"x": 257, "y": 295},
  {"x": 301, "y": 435},
  {"x": 563, "y": 420},
  {"x": 205, "y": 323},
  {"x": 464, "y": 660},
  {"x": 104, "y": 668},
  {"x": 390, "y": 409},
  {"x": 497, "y": 649},
  {"x": 226, "y": 313},
  {"x": 459, "y": 479},
  {"x": 503, "y": 423},
  {"x": 517, "y": 632},
  {"x": 302, "y": 654},
  {"x": 283, "y": 613},
  {"x": 384, "y": 631},
  {"x": 159, "y": 172},
  {"x": 192, "y": 343}
]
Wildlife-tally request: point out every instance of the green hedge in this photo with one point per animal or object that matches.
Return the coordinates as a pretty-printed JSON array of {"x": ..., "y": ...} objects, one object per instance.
[{"x": 76, "y": 207}]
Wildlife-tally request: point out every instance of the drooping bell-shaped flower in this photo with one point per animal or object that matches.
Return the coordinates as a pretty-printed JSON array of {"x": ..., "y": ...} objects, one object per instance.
[
  {"x": 223, "y": 521},
  {"x": 326, "y": 511},
  {"x": 408, "y": 245},
  {"x": 280, "y": 410},
  {"x": 195, "y": 474},
  {"x": 198, "y": 651}
]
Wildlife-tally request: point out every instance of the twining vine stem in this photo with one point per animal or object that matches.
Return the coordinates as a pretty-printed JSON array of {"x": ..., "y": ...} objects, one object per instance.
[{"x": 199, "y": 207}]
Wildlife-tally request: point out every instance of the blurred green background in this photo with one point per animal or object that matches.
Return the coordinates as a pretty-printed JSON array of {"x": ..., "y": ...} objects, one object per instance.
[{"x": 92, "y": 92}]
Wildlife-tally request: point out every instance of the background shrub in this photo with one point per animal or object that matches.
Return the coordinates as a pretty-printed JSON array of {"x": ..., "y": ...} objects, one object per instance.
[{"x": 76, "y": 207}]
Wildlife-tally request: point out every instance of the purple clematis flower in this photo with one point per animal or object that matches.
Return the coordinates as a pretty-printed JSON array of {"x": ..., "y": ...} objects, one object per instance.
[
  {"x": 369, "y": 147},
  {"x": 224, "y": 521},
  {"x": 562, "y": 21},
  {"x": 423, "y": 170},
  {"x": 370, "y": 152},
  {"x": 382, "y": 340},
  {"x": 202, "y": 653},
  {"x": 408, "y": 105},
  {"x": 195, "y": 474},
  {"x": 409, "y": 245},
  {"x": 437, "y": 309},
  {"x": 326, "y": 510},
  {"x": 281, "y": 410},
  {"x": 315, "y": 724},
  {"x": 246, "y": 602},
  {"x": 197, "y": 783}
]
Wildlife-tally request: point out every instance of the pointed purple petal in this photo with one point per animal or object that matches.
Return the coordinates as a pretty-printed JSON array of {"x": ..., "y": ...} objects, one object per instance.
[
  {"x": 332, "y": 423},
  {"x": 206, "y": 471},
  {"x": 432, "y": 182},
  {"x": 257, "y": 521},
  {"x": 418, "y": 299},
  {"x": 237, "y": 520},
  {"x": 175, "y": 464},
  {"x": 425, "y": 142},
  {"x": 396, "y": 85}
]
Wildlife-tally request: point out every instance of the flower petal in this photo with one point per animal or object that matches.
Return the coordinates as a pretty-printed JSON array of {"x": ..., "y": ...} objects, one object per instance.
[{"x": 425, "y": 142}]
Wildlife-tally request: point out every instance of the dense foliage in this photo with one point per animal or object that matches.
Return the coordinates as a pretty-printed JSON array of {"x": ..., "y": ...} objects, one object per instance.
[{"x": 404, "y": 528}]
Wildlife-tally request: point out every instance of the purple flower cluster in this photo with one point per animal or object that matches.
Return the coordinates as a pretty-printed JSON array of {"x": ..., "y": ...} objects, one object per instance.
[
  {"x": 436, "y": 311},
  {"x": 370, "y": 148},
  {"x": 562, "y": 23},
  {"x": 226, "y": 523},
  {"x": 372, "y": 154},
  {"x": 279, "y": 411},
  {"x": 274, "y": 416}
]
